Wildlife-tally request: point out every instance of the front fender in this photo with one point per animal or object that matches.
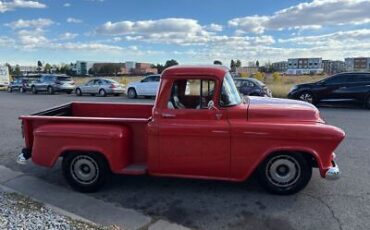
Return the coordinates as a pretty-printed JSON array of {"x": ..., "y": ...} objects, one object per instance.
[{"x": 52, "y": 140}]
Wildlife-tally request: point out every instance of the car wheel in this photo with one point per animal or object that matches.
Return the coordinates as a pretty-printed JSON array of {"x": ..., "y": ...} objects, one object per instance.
[
  {"x": 307, "y": 97},
  {"x": 50, "y": 90},
  {"x": 78, "y": 92},
  {"x": 21, "y": 90},
  {"x": 131, "y": 93},
  {"x": 285, "y": 174},
  {"x": 10, "y": 89},
  {"x": 102, "y": 93},
  {"x": 34, "y": 90},
  {"x": 85, "y": 172},
  {"x": 367, "y": 102}
]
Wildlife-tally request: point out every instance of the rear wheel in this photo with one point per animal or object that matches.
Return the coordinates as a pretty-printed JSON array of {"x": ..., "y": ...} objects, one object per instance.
[
  {"x": 50, "y": 90},
  {"x": 85, "y": 172},
  {"x": 131, "y": 93},
  {"x": 285, "y": 173},
  {"x": 307, "y": 97},
  {"x": 367, "y": 102},
  {"x": 102, "y": 93},
  {"x": 34, "y": 90},
  {"x": 78, "y": 92}
]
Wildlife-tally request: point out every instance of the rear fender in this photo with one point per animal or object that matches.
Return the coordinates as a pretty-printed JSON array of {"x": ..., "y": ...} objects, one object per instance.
[{"x": 53, "y": 140}]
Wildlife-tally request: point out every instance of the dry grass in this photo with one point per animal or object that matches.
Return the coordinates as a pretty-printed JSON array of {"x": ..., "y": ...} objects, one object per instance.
[
  {"x": 282, "y": 87},
  {"x": 123, "y": 80}
]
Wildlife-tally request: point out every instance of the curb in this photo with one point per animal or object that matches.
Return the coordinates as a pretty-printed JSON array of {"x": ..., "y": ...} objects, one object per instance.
[{"x": 77, "y": 205}]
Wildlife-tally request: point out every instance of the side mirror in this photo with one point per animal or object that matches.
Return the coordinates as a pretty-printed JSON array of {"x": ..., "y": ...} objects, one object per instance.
[{"x": 211, "y": 105}]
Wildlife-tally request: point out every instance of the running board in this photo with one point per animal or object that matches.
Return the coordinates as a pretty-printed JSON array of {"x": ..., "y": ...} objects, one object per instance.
[{"x": 135, "y": 169}]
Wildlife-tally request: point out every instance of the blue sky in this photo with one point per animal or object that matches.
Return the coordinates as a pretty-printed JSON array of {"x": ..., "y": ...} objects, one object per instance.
[{"x": 186, "y": 30}]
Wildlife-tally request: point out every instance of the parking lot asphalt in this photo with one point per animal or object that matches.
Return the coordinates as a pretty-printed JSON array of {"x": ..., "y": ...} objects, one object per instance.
[{"x": 341, "y": 204}]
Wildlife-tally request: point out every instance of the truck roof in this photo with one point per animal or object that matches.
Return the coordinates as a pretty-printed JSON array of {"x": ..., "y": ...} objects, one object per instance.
[{"x": 195, "y": 70}]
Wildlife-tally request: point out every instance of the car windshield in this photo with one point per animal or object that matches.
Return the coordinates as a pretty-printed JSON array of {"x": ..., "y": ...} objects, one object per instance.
[{"x": 229, "y": 93}]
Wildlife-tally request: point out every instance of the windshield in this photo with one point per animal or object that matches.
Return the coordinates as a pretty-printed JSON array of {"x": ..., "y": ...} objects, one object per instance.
[{"x": 229, "y": 94}]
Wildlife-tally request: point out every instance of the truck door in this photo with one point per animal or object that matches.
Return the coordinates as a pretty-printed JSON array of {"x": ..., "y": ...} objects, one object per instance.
[{"x": 193, "y": 139}]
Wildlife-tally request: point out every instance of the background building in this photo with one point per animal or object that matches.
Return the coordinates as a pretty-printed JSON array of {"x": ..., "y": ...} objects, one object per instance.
[
  {"x": 281, "y": 66},
  {"x": 357, "y": 64},
  {"x": 333, "y": 67},
  {"x": 82, "y": 67},
  {"x": 298, "y": 66}
]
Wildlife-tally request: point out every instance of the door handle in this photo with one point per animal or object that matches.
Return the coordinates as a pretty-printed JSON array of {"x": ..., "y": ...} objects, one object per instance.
[{"x": 168, "y": 115}]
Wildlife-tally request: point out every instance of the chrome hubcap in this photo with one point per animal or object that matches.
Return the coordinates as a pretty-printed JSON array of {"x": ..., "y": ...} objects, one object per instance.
[
  {"x": 283, "y": 171},
  {"x": 84, "y": 169},
  {"x": 306, "y": 97}
]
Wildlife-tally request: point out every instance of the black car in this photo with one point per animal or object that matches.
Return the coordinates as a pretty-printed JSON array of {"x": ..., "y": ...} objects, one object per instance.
[
  {"x": 252, "y": 87},
  {"x": 19, "y": 84},
  {"x": 344, "y": 86}
]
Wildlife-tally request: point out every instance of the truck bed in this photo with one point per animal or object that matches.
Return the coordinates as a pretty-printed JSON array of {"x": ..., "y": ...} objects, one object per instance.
[{"x": 133, "y": 116}]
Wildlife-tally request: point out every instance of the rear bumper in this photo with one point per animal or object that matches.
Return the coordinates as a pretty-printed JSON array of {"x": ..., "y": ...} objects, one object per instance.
[{"x": 333, "y": 173}]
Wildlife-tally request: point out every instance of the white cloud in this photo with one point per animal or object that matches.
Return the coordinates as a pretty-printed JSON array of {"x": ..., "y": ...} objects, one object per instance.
[
  {"x": 74, "y": 20},
  {"x": 214, "y": 27},
  {"x": 12, "y": 5},
  {"x": 68, "y": 36},
  {"x": 34, "y": 23},
  {"x": 308, "y": 15},
  {"x": 67, "y": 4}
]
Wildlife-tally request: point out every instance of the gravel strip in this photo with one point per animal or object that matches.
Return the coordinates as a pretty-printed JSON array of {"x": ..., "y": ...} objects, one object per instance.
[{"x": 19, "y": 212}]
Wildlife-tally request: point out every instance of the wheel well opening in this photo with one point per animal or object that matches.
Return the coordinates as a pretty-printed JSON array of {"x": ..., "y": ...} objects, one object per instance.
[
  {"x": 310, "y": 158},
  {"x": 70, "y": 152}
]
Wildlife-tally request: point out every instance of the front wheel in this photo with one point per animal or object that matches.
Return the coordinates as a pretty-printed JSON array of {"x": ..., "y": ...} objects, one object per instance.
[
  {"x": 78, "y": 92},
  {"x": 131, "y": 93},
  {"x": 10, "y": 89},
  {"x": 285, "y": 174},
  {"x": 50, "y": 90},
  {"x": 34, "y": 90},
  {"x": 85, "y": 172},
  {"x": 307, "y": 97},
  {"x": 102, "y": 93}
]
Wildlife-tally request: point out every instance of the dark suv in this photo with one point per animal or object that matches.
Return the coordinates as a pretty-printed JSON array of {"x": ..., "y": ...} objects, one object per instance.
[
  {"x": 252, "y": 87},
  {"x": 53, "y": 83},
  {"x": 343, "y": 86}
]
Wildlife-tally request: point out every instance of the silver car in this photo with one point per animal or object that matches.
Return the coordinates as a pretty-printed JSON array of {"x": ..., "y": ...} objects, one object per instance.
[{"x": 101, "y": 87}]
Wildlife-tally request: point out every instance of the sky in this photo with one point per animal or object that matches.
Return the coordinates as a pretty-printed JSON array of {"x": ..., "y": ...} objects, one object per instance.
[{"x": 189, "y": 31}]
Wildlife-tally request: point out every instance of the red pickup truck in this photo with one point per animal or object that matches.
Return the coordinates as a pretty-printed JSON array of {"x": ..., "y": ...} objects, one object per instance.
[{"x": 199, "y": 127}]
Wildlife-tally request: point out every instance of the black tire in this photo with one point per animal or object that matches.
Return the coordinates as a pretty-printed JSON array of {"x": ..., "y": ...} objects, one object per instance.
[
  {"x": 50, "y": 90},
  {"x": 69, "y": 91},
  {"x": 367, "y": 102},
  {"x": 22, "y": 90},
  {"x": 284, "y": 173},
  {"x": 78, "y": 92},
  {"x": 85, "y": 172},
  {"x": 307, "y": 96},
  {"x": 131, "y": 93},
  {"x": 102, "y": 93},
  {"x": 10, "y": 89},
  {"x": 34, "y": 90}
]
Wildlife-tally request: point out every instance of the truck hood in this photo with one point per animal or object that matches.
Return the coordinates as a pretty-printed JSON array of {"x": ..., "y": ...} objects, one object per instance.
[{"x": 268, "y": 109}]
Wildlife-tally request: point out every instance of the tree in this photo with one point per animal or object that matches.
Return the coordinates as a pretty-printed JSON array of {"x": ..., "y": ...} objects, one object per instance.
[
  {"x": 232, "y": 66},
  {"x": 17, "y": 70},
  {"x": 257, "y": 64},
  {"x": 64, "y": 68},
  {"x": 217, "y": 62},
  {"x": 238, "y": 64},
  {"x": 170, "y": 63},
  {"x": 39, "y": 65},
  {"x": 47, "y": 68}
]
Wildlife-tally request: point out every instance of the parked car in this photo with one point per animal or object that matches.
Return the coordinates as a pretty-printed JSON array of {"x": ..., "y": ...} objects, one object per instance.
[
  {"x": 199, "y": 127},
  {"x": 19, "y": 84},
  {"x": 343, "y": 86},
  {"x": 101, "y": 87},
  {"x": 252, "y": 87},
  {"x": 146, "y": 87},
  {"x": 52, "y": 83}
]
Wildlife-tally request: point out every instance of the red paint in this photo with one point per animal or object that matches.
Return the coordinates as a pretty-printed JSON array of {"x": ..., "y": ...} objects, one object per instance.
[{"x": 226, "y": 144}]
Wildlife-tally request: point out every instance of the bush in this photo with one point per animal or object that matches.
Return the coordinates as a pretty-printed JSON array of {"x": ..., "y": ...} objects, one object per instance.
[
  {"x": 276, "y": 77},
  {"x": 259, "y": 76}
]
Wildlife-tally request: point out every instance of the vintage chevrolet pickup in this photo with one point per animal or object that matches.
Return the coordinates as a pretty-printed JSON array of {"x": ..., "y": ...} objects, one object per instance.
[{"x": 199, "y": 127}]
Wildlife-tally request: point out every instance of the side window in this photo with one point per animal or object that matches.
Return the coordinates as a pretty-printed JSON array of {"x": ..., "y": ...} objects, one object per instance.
[
  {"x": 157, "y": 78},
  {"x": 191, "y": 94},
  {"x": 336, "y": 79},
  {"x": 147, "y": 79}
]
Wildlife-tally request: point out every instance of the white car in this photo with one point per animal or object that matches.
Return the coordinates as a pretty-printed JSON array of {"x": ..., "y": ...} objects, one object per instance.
[{"x": 146, "y": 87}]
